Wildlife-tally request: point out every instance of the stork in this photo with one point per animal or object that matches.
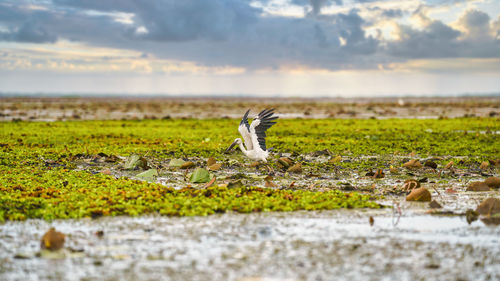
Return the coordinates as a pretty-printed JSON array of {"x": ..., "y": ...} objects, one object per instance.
[{"x": 255, "y": 135}]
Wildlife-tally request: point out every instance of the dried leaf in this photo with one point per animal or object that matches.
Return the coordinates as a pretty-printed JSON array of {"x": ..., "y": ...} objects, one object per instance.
[
  {"x": 371, "y": 220},
  {"x": 209, "y": 183},
  {"x": 285, "y": 162},
  {"x": 297, "y": 168},
  {"x": 211, "y": 161},
  {"x": 412, "y": 164},
  {"x": 478, "y": 186},
  {"x": 379, "y": 174},
  {"x": 449, "y": 165},
  {"x": 410, "y": 184},
  {"x": 235, "y": 184},
  {"x": 493, "y": 182},
  {"x": 419, "y": 194},
  {"x": 485, "y": 165},
  {"x": 187, "y": 165},
  {"x": 214, "y": 167},
  {"x": 489, "y": 207},
  {"x": 336, "y": 159},
  {"x": 435, "y": 205},
  {"x": 270, "y": 184},
  {"x": 52, "y": 240},
  {"x": 430, "y": 164}
]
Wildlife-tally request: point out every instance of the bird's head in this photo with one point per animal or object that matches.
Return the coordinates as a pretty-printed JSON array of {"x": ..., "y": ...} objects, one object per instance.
[{"x": 236, "y": 142}]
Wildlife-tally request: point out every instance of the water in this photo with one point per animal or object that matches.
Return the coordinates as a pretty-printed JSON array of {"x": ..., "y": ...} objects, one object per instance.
[{"x": 327, "y": 245}]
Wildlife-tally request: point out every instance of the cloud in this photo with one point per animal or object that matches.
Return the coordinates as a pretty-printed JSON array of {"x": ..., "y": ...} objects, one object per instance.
[
  {"x": 438, "y": 40},
  {"x": 236, "y": 33}
]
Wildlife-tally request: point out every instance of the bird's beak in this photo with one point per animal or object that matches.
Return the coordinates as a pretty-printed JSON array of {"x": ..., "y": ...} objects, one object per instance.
[{"x": 231, "y": 147}]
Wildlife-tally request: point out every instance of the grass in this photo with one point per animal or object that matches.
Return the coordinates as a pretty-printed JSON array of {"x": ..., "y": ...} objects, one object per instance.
[{"x": 38, "y": 177}]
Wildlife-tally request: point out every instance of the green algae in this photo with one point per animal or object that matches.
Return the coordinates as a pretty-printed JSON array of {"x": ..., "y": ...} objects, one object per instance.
[{"x": 38, "y": 177}]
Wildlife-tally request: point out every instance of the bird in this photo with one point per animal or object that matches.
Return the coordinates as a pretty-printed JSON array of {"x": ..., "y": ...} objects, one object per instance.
[{"x": 254, "y": 135}]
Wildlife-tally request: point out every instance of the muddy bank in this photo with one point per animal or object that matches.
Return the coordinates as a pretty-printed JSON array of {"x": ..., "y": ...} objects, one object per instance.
[{"x": 109, "y": 108}]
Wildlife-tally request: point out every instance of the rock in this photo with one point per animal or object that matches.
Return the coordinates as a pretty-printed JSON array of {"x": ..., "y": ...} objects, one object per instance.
[
  {"x": 449, "y": 165},
  {"x": 52, "y": 240},
  {"x": 489, "y": 207},
  {"x": 410, "y": 184},
  {"x": 211, "y": 161},
  {"x": 435, "y": 205},
  {"x": 478, "y": 186},
  {"x": 214, "y": 167},
  {"x": 187, "y": 165},
  {"x": 430, "y": 164},
  {"x": 419, "y": 194},
  {"x": 493, "y": 182},
  {"x": 379, "y": 174},
  {"x": 412, "y": 164},
  {"x": 297, "y": 168},
  {"x": 484, "y": 165}
]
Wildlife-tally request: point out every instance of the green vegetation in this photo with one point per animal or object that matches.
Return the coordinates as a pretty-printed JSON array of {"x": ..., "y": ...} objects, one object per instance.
[{"x": 38, "y": 176}]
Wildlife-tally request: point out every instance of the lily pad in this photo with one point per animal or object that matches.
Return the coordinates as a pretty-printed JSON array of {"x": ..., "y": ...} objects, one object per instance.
[
  {"x": 200, "y": 175},
  {"x": 148, "y": 175}
]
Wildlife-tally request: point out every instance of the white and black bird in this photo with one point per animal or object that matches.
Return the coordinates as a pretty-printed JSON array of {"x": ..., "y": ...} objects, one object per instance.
[{"x": 255, "y": 135}]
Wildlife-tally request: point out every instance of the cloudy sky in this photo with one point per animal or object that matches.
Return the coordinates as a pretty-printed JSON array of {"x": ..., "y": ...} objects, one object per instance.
[{"x": 257, "y": 47}]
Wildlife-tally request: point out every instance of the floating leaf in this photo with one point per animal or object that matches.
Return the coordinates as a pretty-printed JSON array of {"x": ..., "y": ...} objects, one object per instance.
[
  {"x": 200, "y": 175},
  {"x": 135, "y": 161},
  {"x": 175, "y": 163},
  {"x": 148, "y": 175}
]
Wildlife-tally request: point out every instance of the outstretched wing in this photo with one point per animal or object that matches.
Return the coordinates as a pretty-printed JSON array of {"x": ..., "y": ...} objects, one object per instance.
[
  {"x": 260, "y": 125},
  {"x": 244, "y": 130}
]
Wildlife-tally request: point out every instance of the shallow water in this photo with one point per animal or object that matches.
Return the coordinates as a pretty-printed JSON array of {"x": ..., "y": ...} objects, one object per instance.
[{"x": 327, "y": 245}]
